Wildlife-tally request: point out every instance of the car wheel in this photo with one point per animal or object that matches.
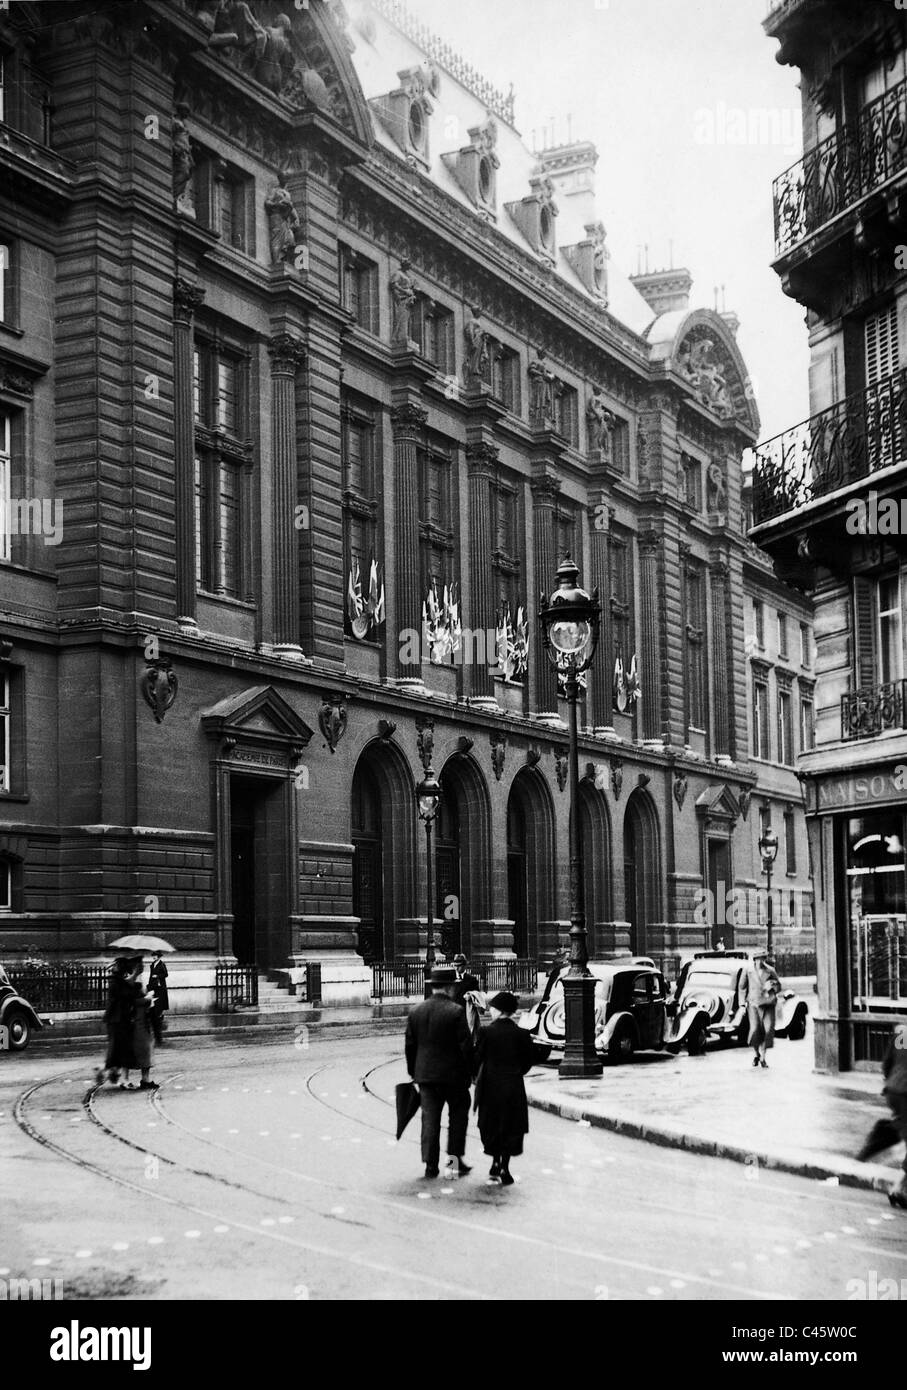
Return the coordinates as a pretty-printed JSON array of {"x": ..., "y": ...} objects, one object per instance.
[
  {"x": 696, "y": 1039},
  {"x": 18, "y": 1031},
  {"x": 797, "y": 1029},
  {"x": 620, "y": 1048}
]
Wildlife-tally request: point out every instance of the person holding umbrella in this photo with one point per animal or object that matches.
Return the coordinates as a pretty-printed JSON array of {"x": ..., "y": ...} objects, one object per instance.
[{"x": 128, "y": 1025}]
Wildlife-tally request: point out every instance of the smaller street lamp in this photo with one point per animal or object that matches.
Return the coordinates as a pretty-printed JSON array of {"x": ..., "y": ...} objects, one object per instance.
[
  {"x": 768, "y": 848},
  {"x": 428, "y": 800},
  {"x": 569, "y": 622}
]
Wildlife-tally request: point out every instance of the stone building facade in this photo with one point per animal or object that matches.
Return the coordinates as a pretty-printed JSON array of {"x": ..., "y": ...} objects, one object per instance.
[
  {"x": 827, "y": 499},
  {"x": 324, "y": 372}
]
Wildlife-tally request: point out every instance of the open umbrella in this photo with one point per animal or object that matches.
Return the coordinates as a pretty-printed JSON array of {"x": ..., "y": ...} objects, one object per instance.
[
  {"x": 139, "y": 945},
  {"x": 408, "y": 1103}
]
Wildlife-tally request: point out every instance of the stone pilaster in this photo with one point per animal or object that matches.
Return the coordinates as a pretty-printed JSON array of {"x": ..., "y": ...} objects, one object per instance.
[
  {"x": 285, "y": 353},
  {"x": 650, "y": 545},
  {"x": 407, "y": 423},
  {"x": 721, "y": 732},
  {"x": 600, "y": 711},
  {"x": 545, "y": 489},
  {"x": 186, "y": 299},
  {"x": 481, "y": 460}
]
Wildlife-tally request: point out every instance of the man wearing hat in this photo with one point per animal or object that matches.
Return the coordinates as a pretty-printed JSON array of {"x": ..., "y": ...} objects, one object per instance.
[{"x": 439, "y": 1058}]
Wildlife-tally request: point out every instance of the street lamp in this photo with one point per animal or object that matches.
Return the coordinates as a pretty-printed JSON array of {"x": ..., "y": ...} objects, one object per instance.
[
  {"x": 428, "y": 800},
  {"x": 569, "y": 622},
  {"x": 768, "y": 848}
]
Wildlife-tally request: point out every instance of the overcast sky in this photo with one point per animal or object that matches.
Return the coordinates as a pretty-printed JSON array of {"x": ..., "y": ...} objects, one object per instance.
[{"x": 667, "y": 92}]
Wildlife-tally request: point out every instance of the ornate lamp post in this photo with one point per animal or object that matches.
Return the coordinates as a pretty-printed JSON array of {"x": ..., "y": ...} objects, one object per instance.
[
  {"x": 569, "y": 622},
  {"x": 768, "y": 848},
  {"x": 428, "y": 800}
]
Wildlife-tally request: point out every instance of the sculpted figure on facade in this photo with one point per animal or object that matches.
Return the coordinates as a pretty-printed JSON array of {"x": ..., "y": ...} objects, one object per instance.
[
  {"x": 541, "y": 389},
  {"x": 601, "y": 423},
  {"x": 283, "y": 222},
  {"x": 476, "y": 350},
  {"x": 183, "y": 161},
  {"x": 403, "y": 295},
  {"x": 697, "y": 362},
  {"x": 717, "y": 488}
]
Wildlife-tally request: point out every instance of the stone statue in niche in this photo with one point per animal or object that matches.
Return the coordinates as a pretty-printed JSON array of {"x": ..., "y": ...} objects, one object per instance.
[
  {"x": 403, "y": 295},
  {"x": 183, "y": 161},
  {"x": 476, "y": 350},
  {"x": 274, "y": 56},
  {"x": 263, "y": 49},
  {"x": 717, "y": 488},
  {"x": 541, "y": 389},
  {"x": 284, "y": 227},
  {"x": 601, "y": 424}
]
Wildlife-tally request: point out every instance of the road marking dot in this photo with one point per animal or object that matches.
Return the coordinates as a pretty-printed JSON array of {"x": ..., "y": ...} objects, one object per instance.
[
  {"x": 232, "y": 1131},
  {"x": 205, "y": 1129},
  {"x": 293, "y": 1093},
  {"x": 295, "y": 1136},
  {"x": 610, "y": 1159},
  {"x": 264, "y": 1133},
  {"x": 192, "y": 1235},
  {"x": 41, "y": 1261},
  {"x": 446, "y": 1191},
  {"x": 245, "y": 1090},
  {"x": 654, "y": 1290},
  {"x": 269, "y": 1091},
  {"x": 152, "y": 1124},
  {"x": 224, "y": 1090},
  {"x": 888, "y": 1217},
  {"x": 804, "y": 1245},
  {"x": 199, "y": 1088},
  {"x": 83, "y": 1254},
  {"x": 221, "y": 1230},
  {"x": 548, "y": 1172},
  {"x": 337, "y": 1211},
  {"x": 155, "y": 1240},
  {"x": 177, "y": 1088},
  {"x": 737, "y": 1264},
  {"x": 286, "y": 1220},
  {"x": 761, "y": 1257},
  {"x": 873, "y": 1221},
  {"x": 715, "y": 1273},
  {"x": 780, "y": 1249},
  {"x": 424, "y": 1196},
  {"x": 567, "y": 1167},
  {"x": 678, "y": 1283},
  {"x": 76, "y": 1120},
  {"x": 268, "y": 1221},
  {"x": 849, "y": 1230},
  {"x": 3, "y": 1271},
  {"x": 326, "y": 1138},
  {"x": 355, "y": 1139},
  {"x": 343, "y": 1095},
  {"x": 830, "y": 1235}
]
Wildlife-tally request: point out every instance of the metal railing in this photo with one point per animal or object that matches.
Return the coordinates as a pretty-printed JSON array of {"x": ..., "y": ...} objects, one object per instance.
[
  {"x": 405, "y": 979},
  {"x": 836, "y": 173},
  {"x": 235, "y": 987},
  {"x": 794, "y": 962},
  {"x": 872, "y": 709},
  {"x": 65, "y": 988},
  {"x": 854, "y": 438}
]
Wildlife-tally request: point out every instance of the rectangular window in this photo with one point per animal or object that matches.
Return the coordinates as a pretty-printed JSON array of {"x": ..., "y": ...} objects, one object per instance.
[
  {"x": 224, "y": 200},
  {"x": 807, "y": 725},
  {"x": 620, "y": 560},
  {"x": 620, "y": 446},
  {"x": 761, "y": 746},
  {"x": 782, "y": 635},
  {"x": 435, "y": 516},
  {"x": 785, "y": 729},
  {"x": 5, "y": 485},
  {"x": 694, "y": 605},
  {"x": 6, "y": 886},
  {"x": 806, "y": 655},
  {"x": 364, "y": 612},
  {"x": 5, "y": 720},
  {"x": 359, "y": 289},
  {"x": 222, "y": 457},
  {"x": 565, "y": 532},
  {"x": 503, "y": 375},
  {"x": 889, "y": 628},
  {"x": 759, "y": 621},
  {"x": 790, "y": 842},
  {"x": 7, "y": 310},
  {"x": 882, "y": 348},
  {"x": 435, "y": 331},
  {"x": 877, "y": 901},
  {"x": 568, "y": 414},
  {"x": 692, "y": 482}
]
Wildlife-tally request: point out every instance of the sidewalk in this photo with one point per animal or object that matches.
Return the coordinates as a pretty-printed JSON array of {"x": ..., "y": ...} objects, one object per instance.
[
  {"x": 787, "y": 1118},
  {"x": 89, "y": 1028}
]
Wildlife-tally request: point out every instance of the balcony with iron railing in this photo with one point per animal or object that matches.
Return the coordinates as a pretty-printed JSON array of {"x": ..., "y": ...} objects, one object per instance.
[
  {"x": 854, "y": 439},
  {"x": 872, "y": 710},
  {"x": 833, "y": 176}
]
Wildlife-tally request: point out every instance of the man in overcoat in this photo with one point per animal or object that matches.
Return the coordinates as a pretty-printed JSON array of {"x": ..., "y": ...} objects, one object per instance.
[{"x": 439, "y": 1058}]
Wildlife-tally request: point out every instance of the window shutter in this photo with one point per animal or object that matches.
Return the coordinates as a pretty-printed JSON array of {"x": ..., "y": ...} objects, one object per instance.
[
  {"x": 882, "y": 347},
  {"x": 864, "y": 646}
]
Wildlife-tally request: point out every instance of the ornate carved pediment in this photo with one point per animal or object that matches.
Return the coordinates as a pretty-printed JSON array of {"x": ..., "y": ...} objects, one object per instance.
[
  {"x": 257, "y": 726},
  {"x": 718, "y": 803}
]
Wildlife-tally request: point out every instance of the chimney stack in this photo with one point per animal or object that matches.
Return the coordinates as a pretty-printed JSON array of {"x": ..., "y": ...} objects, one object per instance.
[{"x": 664, "y": 290}]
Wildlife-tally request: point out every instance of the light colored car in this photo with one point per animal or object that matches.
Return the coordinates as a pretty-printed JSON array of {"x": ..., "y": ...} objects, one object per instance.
[
  {"x": 712, "y": 981},
  {"x": 632, "y": 1013}
]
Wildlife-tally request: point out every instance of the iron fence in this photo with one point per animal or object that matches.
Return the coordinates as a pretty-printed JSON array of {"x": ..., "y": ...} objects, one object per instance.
[
  {"x": 235, "y": 986},
  {"x": 65, "y": 988},
  {"x": 405, "y": 979},
  {"x": 794, "y": 962},
  {"x": 519, "y": 976}
]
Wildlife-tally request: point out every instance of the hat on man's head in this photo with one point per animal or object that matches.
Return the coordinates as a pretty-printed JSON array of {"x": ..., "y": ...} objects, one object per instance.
[
  {"x": 459, "y": 959},
  {"x": 442, "y": 975},
  {"x": 505, "y": 1002}
]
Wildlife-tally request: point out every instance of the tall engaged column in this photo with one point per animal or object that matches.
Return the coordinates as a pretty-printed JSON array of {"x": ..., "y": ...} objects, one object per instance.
[
  {"x": 545, "y": 491},
  {"x": 286, "y": 354},
  {"x": 407, "y": 423},
  {"x": 186, "y": 299},
  {"x": 718, "y": 573},
  {"x": 650, "y": 543},
  {"x": 601, "y": 712},
  {"x": 481, "y": 460}
]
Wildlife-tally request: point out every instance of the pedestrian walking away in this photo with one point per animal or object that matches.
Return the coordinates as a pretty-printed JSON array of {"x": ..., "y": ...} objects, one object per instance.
[
  {"x": 157, "y": 986},
  {"x": 439, "y": 1059},
  {"x": 760, "y": 988},
  {"x": 885, "y": 1133},
  {"x": 504, "y": 1055}
]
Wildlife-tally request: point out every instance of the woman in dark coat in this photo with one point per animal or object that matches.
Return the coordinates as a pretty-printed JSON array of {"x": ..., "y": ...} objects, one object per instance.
[
  {"x": 504, "y": 1055},
  {"x": 128, "y": 1025}
]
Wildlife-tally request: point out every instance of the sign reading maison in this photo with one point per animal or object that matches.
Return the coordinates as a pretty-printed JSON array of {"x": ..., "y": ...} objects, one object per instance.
[{"x": 857, "y": 791}]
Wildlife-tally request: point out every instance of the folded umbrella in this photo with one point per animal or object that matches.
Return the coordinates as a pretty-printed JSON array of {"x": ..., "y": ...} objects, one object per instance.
[
  {"x": 138, "y": 944},
  {"x": 407, "y": 1104}
]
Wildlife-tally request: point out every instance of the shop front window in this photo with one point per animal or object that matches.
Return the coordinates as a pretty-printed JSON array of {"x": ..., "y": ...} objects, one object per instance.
[{"x": 875, "y": 875}]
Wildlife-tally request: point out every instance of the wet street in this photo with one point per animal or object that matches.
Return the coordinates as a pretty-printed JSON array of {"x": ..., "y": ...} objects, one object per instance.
[{"x": 269, "y": 1170}]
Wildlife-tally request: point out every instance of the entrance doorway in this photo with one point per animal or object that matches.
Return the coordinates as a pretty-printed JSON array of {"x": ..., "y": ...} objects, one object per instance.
[
  {"x": 368, "y": 886},
  {"x": 517, "y": 877},
  {"x": 447, "y": 871},
  {"x": 642, "y": 871},
  {"x": 259, "y": 871},
  {"x": 720, "y": 885}
]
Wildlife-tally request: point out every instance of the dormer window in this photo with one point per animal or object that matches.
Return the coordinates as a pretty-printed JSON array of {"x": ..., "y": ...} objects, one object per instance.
[
  {"x": 405, "y": 112},
  {"x": 475, "y": 167},
  {"x": 535, "y": 214}
]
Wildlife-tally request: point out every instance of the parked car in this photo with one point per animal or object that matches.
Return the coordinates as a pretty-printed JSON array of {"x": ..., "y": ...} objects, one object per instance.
[
  {"x": 711, "y": 981},
  {"x": 17, "y": 1017},
  {"x": 632, "y": 1013}
]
